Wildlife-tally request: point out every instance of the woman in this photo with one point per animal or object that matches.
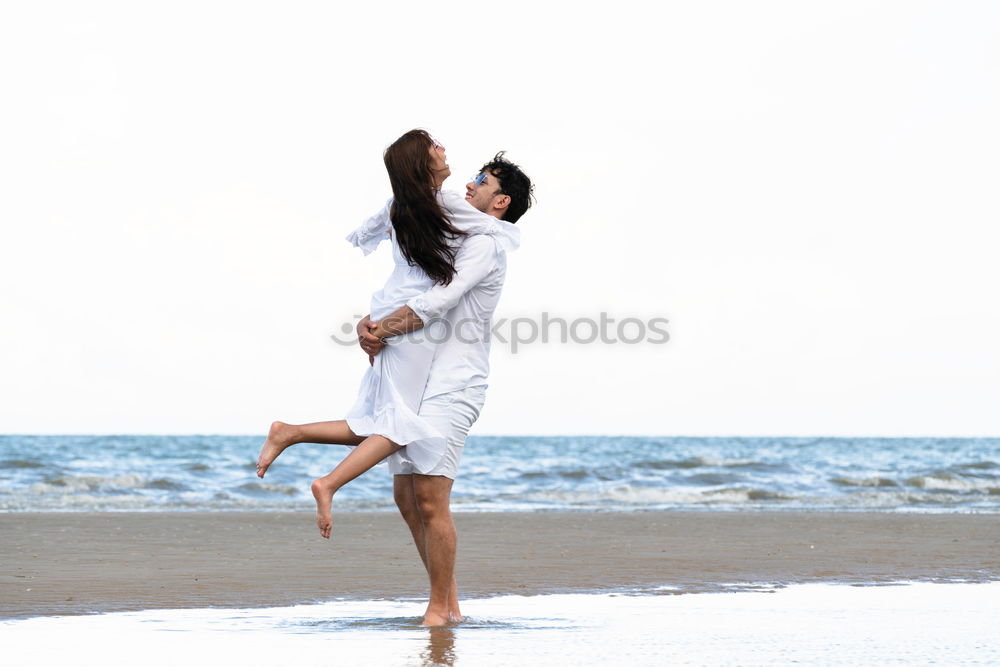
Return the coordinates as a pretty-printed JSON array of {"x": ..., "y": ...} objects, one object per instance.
[{"x": 426, "y": 227}]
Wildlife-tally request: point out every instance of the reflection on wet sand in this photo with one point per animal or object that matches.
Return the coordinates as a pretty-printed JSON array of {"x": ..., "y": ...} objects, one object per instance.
[
  {"x": 440, "y": 647},
  {"x": 919, "y": 623}
]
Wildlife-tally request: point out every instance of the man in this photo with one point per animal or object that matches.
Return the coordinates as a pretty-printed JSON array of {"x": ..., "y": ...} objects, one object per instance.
[{"x": 456, "y": 388}]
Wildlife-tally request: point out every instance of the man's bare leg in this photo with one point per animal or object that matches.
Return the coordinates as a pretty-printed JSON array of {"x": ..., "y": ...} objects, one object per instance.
[
  {"x": 282, "y": 436},
  {"x": 406, "y": 500},
  {"x": 433, "y": 494},
  {"x": 364, "y": 457}
]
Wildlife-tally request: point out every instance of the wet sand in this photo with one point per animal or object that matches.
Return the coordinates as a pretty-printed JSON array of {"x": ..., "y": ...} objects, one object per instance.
[{"x": 72, "y": 563}]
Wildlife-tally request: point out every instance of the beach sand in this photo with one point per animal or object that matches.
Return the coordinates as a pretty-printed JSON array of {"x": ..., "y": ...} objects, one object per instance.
[{"x": 72, "y": 563}]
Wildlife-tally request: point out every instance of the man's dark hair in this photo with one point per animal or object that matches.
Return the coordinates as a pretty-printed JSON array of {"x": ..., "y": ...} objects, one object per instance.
[{"x": 513, "y": 182}]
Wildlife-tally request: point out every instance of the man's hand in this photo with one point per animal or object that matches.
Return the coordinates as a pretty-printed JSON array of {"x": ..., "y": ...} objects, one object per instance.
[{"x": 370, "y": 343}]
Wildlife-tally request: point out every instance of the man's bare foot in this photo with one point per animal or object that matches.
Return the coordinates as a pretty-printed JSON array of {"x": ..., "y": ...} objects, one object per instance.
[
  {"x": 455, "y": 616},
  {"x": 432, "y": 619},
  {"x": 279, "y": 438},
  {"x": 323, "y": 490}
]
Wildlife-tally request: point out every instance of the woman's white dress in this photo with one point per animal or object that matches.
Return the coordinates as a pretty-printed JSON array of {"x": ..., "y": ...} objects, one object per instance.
[{"x": 389, "y": 399}]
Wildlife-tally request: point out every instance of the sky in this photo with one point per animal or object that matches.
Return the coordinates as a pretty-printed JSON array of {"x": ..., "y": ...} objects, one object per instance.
[{"x": 805, "y": 192}]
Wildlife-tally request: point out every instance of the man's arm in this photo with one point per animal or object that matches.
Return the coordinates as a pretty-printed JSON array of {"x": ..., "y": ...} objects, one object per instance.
[
  {"x": 370, "y": 343},
  {"x": 474, "y": 261},
  {"x": 402, "y": 321},
  {"x": 370, "y": 334}
]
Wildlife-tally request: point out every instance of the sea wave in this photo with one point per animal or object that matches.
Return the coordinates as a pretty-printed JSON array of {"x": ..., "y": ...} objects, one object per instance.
[
  {"x": 703, "y": 462},
  {"x": 266, "y": 488},
  {"x": 978, "y": 465},
  {"x": 68, "y": 484},
  {"x": 953, "y": 483},
  {"x": 863, "y": 481},
  {"x": 20, "y": 463},
  {"x": 150, "y": 473},
  {"x": 649, "y": 496},
  {"x": 627, "y": 497}
]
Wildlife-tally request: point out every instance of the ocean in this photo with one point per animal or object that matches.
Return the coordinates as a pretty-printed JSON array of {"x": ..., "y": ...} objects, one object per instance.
[{"x": 149, "y": 473}]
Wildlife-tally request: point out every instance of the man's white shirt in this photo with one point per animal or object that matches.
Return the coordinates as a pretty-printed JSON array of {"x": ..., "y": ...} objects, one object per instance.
[{"x": 466, "y": 305}]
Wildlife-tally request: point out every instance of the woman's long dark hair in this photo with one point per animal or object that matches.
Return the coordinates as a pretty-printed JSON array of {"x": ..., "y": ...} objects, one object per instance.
[{"x": 420, "y": 226}]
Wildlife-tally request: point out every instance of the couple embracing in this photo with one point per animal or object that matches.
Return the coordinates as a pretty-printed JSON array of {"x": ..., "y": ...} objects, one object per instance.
[{"x": 427, "y": 337}]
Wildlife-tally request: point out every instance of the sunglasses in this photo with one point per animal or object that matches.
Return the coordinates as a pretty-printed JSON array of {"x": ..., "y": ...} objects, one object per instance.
[{"x": 478, "y": 179}]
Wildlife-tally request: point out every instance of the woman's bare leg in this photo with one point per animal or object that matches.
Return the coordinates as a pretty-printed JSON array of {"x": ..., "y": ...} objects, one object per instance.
[
  {"x": 282, "y": 436},
  {"x": 361, "y": 460}
]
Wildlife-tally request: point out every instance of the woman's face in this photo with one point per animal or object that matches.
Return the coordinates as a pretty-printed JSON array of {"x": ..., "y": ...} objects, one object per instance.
[{"x": 439, "y": 164}]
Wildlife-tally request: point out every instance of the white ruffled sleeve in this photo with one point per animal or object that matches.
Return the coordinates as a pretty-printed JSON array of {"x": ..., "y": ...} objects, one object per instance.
[
  {"x": 472, "y": 221},
  {"x": 372, "y": 231}
]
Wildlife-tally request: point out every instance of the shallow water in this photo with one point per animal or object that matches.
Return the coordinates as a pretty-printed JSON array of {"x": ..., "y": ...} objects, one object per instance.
[
  {"x": 150, "y": 473},
  {"x": 814, "y": 623}
]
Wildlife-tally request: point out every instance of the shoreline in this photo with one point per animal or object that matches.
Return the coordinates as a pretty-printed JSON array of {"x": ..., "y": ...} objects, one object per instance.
[{"x": 78, "y": 563}]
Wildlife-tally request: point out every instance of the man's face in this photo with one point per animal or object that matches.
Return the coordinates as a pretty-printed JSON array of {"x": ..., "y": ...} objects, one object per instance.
[{"x": 484, "y": 197}]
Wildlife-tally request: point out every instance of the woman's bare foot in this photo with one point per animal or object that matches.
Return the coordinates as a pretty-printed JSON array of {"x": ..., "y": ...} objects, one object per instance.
[
  {"x": 279, "y": 438},
  {"x": 455, "y": 616},
  {"x": 322, "y": 490}
]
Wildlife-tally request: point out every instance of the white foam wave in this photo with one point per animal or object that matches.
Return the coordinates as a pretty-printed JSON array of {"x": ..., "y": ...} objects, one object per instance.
[
  {"x": 266, "y": 487},
  {"x": 653, "y": 496},
  {"x": 66, "y": 485},
  {"x": 864, "y": 481},
  {"x": 946, "y": 482},
  {"x": 724, "y": 463}
]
